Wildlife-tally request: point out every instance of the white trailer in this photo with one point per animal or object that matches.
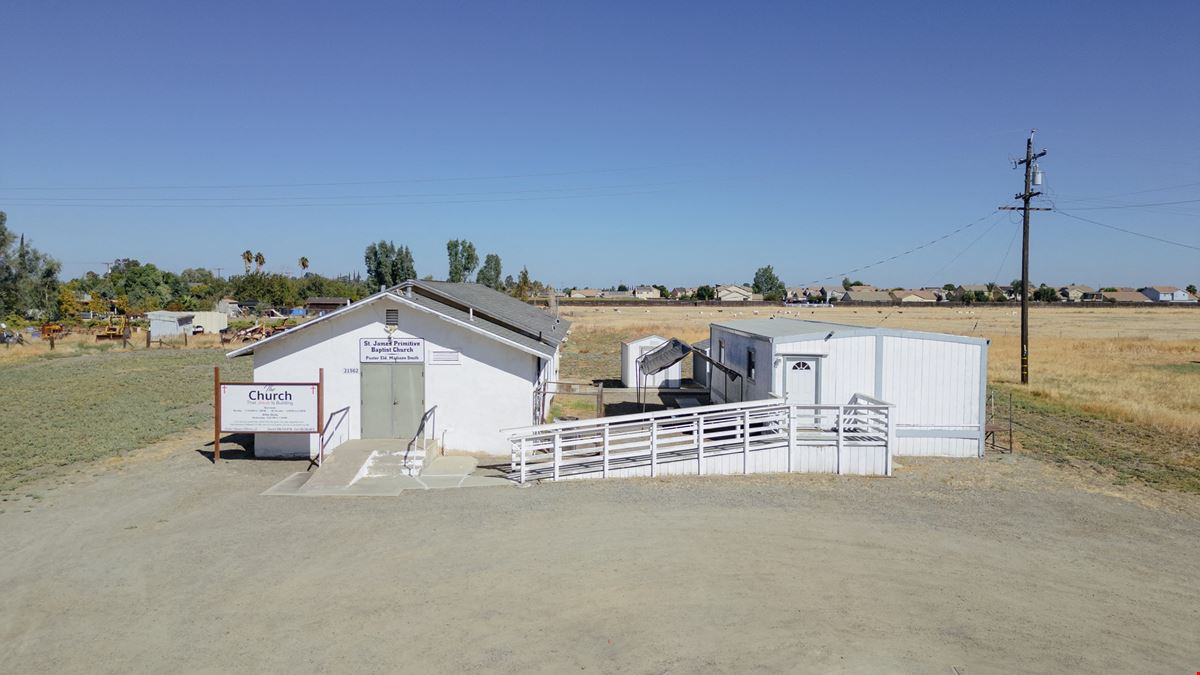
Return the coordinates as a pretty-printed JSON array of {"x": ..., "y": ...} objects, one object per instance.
[{"x": 937, "y": 382}]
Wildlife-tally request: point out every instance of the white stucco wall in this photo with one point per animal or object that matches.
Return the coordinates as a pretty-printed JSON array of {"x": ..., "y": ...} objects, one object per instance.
[{"x": 491, "y": 387}]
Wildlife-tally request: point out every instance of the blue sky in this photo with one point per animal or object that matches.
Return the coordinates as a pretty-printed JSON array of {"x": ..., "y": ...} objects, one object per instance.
[{"x": 597, "y": 143}]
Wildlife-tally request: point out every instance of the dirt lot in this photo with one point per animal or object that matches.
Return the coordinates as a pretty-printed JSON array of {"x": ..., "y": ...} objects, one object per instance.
[{"x": 164, "y": 563}]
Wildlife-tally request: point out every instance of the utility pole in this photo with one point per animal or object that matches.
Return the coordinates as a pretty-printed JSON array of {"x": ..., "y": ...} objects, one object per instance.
[{"x": 1031, "y": 179}]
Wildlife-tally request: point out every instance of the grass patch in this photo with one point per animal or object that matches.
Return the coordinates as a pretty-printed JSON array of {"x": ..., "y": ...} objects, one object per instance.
[
  {"x": 62, "y": 410},
  {"x": 1060, "y": 432}
]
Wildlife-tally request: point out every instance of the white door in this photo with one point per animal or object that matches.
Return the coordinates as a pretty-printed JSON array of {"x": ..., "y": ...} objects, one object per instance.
[{"x": 800, "y": 381}]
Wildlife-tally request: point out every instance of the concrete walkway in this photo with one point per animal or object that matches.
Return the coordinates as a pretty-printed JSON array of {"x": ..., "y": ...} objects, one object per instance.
[{"x": 352, "y": 472}]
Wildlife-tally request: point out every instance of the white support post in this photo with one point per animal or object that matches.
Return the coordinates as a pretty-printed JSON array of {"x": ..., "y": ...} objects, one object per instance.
[
  {"x": 523, "y": 442},
  {"x": 891, "y": 439},
  {"x": 700, "y": 445},
  {"x": 654, "y": 448},
  {"x": 791, "y": 432},
  {"x": 746, "y": 442},
  {"x": 604, "y": 449},
  {"x": 841, "y": 431},
  {"x": 557, "y": 452}
]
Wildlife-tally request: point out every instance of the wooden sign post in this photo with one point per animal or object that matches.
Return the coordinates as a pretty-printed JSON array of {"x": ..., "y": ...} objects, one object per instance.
[{"x": 268, "y": 407}]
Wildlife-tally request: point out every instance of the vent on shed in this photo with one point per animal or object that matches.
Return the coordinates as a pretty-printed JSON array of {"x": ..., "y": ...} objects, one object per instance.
[{"x": 392, "y": 318}]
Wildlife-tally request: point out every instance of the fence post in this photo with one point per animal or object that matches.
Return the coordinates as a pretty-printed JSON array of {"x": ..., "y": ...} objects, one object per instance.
[
  {"x": 841, "y": 429},
  {"x": 523, "y": 442},
  {"x": 600, "y": 399},
  {"x": 891, "y": 437},
  {"x": 653, "y": 449},
  {"x": 700, "y": 445},
  {"x": 791, "y": 432},
  {"x": 604, "y": 449},
  {"x": 557, "y": 452},
  {"x": 745, "y": 441}
]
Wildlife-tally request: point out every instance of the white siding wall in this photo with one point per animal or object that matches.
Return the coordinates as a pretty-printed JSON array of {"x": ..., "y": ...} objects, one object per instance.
[
  {"x": 935, "y": 386},
  {"x": 725, "y": 390},
  {"x": 848, "y": 367},
  {"x": 491, "y": 388}
]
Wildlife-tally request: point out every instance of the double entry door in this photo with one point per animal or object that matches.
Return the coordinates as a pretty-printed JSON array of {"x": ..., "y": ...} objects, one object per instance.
[{"x": 393, "y": 399}]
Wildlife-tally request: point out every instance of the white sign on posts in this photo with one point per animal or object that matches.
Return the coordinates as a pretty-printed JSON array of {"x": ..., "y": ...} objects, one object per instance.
[
  {"x": 257, "y": 408},
  {"x": 391, "y": 350}
]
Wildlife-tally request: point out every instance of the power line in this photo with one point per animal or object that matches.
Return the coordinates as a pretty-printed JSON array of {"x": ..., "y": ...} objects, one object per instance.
[
  {"x": 320, "y": 204},
  {"x": 341, "y": 183},
  {"x": 1135, "y": 206},
  {"x": 1121, "y": 229},
  {"x": 44, "y": 200},
  {"x": 1135, "y": 192},
  {"x": 914, "y": 249}
]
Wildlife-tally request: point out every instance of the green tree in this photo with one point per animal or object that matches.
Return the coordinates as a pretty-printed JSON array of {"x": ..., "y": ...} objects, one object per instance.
[
  {"x": 303, "y": 265},
  {"x": 489, "y": 274},
  {"x": 524, "y": 287},
  {"x": 388, "y": 265},
  {"x": 663, "y": 290},
  {"x": 463, "y": 260},
  {"x": 769, "y": 285},
  {"x": 706, "y": 293},
  {"x": 247, "y": 259},
  {"x": 623, "y": 288},
  {"x": 260, "y": 261},
  {"x": 1191, "y": 289},
  {"x": 28, "y": 277}
]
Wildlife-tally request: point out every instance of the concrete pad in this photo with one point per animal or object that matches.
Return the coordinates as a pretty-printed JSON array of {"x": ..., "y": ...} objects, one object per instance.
[
  {"x": 290, "y": 485},
  {"x": 450, "y": 466}
]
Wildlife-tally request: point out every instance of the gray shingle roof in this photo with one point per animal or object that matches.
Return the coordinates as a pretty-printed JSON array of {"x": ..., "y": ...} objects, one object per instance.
[{"x": 497, "y": 307}]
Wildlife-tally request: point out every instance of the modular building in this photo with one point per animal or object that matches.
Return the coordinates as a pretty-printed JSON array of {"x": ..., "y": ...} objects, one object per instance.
[
  {"x": 169, "y": 324},
  {"x": 632, "y": 377},
  {"x": 476, "y": 354},
  {"x": 937, "y": 382}
]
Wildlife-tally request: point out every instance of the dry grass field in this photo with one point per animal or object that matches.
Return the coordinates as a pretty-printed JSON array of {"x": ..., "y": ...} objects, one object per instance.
[{"x": 1116, "y": 387}]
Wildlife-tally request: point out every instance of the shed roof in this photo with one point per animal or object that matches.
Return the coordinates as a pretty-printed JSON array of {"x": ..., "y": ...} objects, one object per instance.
[{"x": 795, "y": 330}]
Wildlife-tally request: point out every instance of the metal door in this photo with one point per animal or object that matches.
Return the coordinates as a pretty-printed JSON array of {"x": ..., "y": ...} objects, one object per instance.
[
  {"x": 392, "y": 399},
  {"x": 800, "y": 381}
]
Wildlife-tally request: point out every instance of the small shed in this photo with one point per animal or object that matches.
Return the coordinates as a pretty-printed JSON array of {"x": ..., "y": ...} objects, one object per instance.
[
  {"x": 170, "y": 324},
  {"x": 937, "y": 382},
  {"x": 631, "y": 375},
  {"x": 701, "y": 367}
]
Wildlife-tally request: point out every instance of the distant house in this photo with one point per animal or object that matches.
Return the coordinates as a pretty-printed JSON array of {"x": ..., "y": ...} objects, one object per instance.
[
  {"x": 863, "y": 287},
  {"x": 867, "y": 296},
  {"x": 1167, "y": 294},
  {"x": 832, "y": 293},
  {"x": 319, "y": 305},
  {"x": 964, "y": 289},
  {"x": 229, "y": 307},
  {"x": 938, "y": 292},
  {"x": 734, "y": 293},
  {"x": 1075, "y": 293},
  {"x": 1124, "y": 296},
  {"x": 910, "y": 296},
  {"x": 249, "y": 306},
  {"x": 804, "y": 294},
  {"x": 646, "y": 293},
  {"x": 586, "y": 293},
  {"x": 617, "y": 294}
]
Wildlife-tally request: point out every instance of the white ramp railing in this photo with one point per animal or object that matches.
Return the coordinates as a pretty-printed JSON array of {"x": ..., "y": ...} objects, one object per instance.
[{"x": 747, "y": 437}]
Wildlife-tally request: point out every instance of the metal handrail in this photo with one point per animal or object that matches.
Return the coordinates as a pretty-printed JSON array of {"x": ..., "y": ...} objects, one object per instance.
[
  {"x": 431, "y": 417},
  {"x": 330, "y": 428}
]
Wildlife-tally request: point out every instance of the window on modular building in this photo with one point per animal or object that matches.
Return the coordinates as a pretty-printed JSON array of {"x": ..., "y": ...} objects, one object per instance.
[{"x": 750, "y": 363}]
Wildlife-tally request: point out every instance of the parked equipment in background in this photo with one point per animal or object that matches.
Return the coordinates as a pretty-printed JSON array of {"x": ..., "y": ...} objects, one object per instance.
[
  {"x": 52, "y": 330},
  {"x": 115, "y": 329}
]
